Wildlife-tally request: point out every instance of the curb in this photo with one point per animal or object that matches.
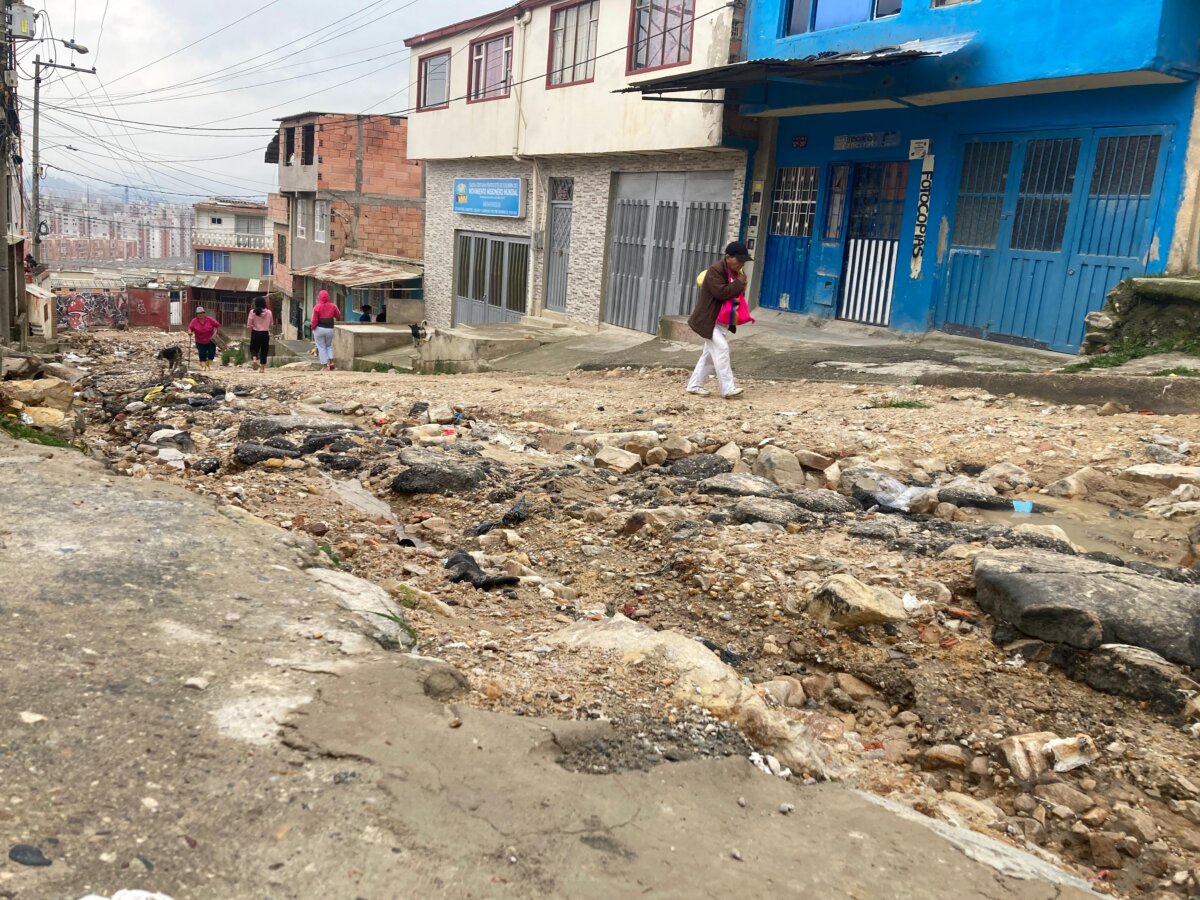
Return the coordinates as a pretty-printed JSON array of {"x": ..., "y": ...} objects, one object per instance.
[{"x": 1163, "y": 396}]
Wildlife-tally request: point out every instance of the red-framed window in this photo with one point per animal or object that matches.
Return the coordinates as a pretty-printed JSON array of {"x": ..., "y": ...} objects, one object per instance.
[
  {"x": 661, "y": 34},
  {"x": 433, "y": 80},
  {"x": 574, "y": 31},
  {"x": 491, "y": 67}
]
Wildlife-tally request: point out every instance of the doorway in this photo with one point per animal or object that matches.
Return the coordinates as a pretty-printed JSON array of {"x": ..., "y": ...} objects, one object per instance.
[
  {"x": 562, "y": 197},
  {"x": 665, "y": 228},
  {"x": 1045, "y": 226},
  {"x": 491, "y": 278},
  {"x": 872, "y": 242}
]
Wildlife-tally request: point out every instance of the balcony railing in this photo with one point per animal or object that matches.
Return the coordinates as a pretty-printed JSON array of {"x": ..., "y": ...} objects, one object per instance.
[{"x": 231, "y": 240}]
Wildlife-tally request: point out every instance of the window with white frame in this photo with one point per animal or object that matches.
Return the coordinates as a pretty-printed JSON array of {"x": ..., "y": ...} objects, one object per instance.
[
  {"x": 491, "y": 67},
  {"x": 573, "y": 36},
  {"x": 662, "y": 34},
  {"x": 433, "y": 77},
  {"x": 322, "y": 221},
  {"x": 302, "y": 218}
]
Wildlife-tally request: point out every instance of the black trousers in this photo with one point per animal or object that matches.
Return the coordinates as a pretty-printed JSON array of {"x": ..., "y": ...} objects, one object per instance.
[{"x": 260, "y": 343}]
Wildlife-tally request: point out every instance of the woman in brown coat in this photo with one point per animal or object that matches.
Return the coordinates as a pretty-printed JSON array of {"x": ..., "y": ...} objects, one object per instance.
[{"x": 725, "y": 280}]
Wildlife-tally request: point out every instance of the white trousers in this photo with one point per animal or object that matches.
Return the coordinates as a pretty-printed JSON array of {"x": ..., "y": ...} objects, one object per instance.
[
  {"x": 323, "y": 337},
  {"x": 714, "y": 359}
]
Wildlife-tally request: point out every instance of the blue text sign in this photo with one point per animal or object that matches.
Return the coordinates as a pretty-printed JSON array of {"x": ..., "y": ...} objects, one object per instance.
[{"x": 502, "y": 198}]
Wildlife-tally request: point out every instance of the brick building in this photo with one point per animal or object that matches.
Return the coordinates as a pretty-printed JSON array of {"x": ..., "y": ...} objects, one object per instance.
[{"x": 346, "y": 187}]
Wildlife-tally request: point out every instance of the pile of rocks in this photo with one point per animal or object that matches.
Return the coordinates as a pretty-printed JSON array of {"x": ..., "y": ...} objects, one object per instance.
[{"x": 40, "y": 391}]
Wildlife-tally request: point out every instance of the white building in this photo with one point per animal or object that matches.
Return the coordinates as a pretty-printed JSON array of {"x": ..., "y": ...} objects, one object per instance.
[{"x": 559, "y": 196}]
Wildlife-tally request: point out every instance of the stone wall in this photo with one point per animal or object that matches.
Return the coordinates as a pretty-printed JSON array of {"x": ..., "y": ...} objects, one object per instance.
[{"x": 589, "y": 226}]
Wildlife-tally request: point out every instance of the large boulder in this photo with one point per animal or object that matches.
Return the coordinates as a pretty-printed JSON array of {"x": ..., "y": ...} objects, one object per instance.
[
  {"x": 438, "y": 475},
  {"x": 1084, "y": 604},
  {"x": 738, "y": 485},
  {"x": 846, "y": 602},
  {"x": 763, "y": 509},
  {"x": 1140, "y": 674},
  {"x": 262, "y": 427},
  {"x": 614, "y": 459},
  {"x": 49, "y": 392},
  {"x": 780, "y": 466}
]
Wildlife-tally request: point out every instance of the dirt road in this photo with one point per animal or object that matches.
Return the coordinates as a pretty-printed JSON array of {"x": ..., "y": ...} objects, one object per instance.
[{"x": 521, "y": 757}]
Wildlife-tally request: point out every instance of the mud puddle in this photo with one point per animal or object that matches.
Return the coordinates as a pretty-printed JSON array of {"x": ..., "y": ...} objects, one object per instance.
[{"x": 1094, "y": 527}]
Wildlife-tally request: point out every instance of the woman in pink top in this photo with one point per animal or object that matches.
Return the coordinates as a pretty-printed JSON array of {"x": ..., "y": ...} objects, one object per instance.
[
  {"x": 325, "y": 314},
  {"x": 259, "y": 322},
  {"x": 204, "y": 327}
]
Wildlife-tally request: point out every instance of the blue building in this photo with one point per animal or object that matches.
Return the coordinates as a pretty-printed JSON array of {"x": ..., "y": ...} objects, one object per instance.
[{"x": 989, "y": 168}]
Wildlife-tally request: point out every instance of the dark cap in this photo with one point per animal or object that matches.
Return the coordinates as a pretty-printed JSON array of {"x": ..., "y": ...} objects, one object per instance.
[{"x": 739, "y": 252}]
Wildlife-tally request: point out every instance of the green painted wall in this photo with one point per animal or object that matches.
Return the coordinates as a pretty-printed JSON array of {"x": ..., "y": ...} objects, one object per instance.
[{"x": 245, "y": 265}]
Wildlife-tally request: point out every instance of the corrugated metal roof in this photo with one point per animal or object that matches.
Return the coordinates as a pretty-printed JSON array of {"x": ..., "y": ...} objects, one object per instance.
[
  {"x": 358, "y": 271},
  {"x": 230, "y": 283},
  {"x": 811, "y": 68}
]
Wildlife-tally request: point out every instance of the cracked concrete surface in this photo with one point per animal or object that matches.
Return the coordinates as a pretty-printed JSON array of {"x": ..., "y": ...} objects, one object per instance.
[{"x": 117, "y": 592}]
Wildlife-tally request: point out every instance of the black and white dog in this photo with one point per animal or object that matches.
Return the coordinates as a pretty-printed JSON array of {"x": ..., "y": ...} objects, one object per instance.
[{"x": 420, "y": 333}]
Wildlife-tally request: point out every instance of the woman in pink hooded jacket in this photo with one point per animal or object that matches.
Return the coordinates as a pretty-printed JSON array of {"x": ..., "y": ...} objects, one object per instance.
[{"x": 325, "y": 314}]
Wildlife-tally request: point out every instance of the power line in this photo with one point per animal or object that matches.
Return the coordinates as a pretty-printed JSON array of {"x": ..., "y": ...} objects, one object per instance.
[
  {"x": 103, "y": 16},
  {"x": 143, "y": 189},
  {"x": 199, "y": 40}
]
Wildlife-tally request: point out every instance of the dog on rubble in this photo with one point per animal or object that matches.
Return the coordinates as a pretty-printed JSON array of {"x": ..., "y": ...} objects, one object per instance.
[
  {"x": 420, "y": 333},
  {"x": 172, "y": 361}
]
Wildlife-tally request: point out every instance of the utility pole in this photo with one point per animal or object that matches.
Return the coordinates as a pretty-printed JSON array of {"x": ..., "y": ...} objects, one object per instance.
[
  {"x": 36, "y": 211},
  {"x": 6, "y": 280}
]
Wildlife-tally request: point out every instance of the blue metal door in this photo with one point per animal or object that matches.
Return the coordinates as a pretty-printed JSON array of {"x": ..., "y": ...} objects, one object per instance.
[
  {"x": 1117, "y": 222},
  {"x": 789, "y": 235},
  {"x": 1044, "y": 227}
]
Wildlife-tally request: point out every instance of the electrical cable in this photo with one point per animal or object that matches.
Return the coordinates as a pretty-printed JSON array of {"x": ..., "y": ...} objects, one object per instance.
[{"x": 199, "y": 40}]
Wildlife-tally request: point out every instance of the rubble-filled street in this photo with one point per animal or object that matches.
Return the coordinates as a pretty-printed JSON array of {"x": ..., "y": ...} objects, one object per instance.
[{"x": 984, "y": 608}]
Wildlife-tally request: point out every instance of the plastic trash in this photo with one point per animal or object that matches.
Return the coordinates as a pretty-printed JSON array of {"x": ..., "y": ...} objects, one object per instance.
[
  {"x": 892, "y": 493},
  {"x": 1022, "y": 507},
  {"x": 1071, "y": 753}
]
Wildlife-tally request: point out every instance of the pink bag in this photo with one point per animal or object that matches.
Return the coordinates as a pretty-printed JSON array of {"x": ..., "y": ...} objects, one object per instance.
[{"x": 743, "y": 310}]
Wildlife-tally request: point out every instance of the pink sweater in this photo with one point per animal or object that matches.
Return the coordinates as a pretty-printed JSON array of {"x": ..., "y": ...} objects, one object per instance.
[{"x": 260, "y": 323}]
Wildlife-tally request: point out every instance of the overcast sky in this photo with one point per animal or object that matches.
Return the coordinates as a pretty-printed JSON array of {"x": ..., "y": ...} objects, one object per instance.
[{"x": 355, "y": 61}]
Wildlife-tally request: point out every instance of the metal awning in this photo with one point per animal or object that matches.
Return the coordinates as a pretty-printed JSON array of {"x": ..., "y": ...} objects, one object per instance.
[
  {"x": 821, "y": 67},
  {"x": 360, "y": 271},
  {"x": 230, "y": 283}
]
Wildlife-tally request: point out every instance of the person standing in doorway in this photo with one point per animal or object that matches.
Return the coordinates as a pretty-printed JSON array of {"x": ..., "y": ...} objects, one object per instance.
[
  {"x": 724, "y": 282},
  {"x": 324, "y": 317},
  {"x": 260, "y": 321},
  {"x": 204, "y": 328}
]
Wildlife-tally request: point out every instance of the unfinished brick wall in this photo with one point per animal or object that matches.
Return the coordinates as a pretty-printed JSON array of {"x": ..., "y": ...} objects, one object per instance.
[
  {"x": 376, "y": 203},
  {"x": 277, "y": 216}
]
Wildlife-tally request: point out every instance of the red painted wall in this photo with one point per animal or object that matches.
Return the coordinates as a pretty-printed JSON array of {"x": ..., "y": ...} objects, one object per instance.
[{"x": 149, "y": 309}]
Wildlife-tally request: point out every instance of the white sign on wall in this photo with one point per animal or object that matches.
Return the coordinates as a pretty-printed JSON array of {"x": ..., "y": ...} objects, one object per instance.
[
  {"x": 922, "y": 229},
  {"x": 919, "y": 149}
]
